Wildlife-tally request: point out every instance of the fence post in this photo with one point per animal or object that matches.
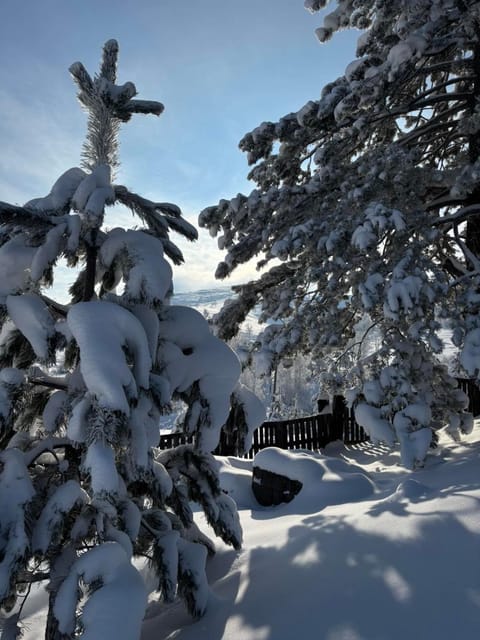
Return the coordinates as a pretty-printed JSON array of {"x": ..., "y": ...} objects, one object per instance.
[
  {"x": 281, "y": 435},
  {"x": 340, "y": 425},
  {"x": 473, "y": 392}
]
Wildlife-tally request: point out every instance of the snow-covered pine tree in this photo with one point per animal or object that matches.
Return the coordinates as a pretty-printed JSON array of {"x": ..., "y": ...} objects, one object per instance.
[
  {"x": 83, "y": 488},
  {"x": 367, "y": 206}
]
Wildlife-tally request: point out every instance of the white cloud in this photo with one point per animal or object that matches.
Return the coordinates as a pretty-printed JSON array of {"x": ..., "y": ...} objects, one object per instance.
[{"x": 201, "y": 260}]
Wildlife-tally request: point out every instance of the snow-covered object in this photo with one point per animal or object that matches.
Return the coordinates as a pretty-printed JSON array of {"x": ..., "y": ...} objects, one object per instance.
[
  {"x": 15, "y": 260},
  {"x": 189, "y": 353},
  {"x": 54, "y": 410},
  {"x": 227, "y": 519},
  {"x": 402, "y": 295},
  {"x": 16, "y": 491},
  {"x": 414, "y": 445},
  {"x": 150, "y": 322},
  {"x": 191, "y": 569},
  {"x": 10, "y": 381},
  {"x": 103, "y": 362},
  {"x": 236, "y": 480},
  {"x": 247, "y": 415},
  {"x": 412, "y": 427},
  {"x": 163, "y": 479},
  {"x": 61, "y": 193},
  {"x": 254, "y": 409},
  {"x": 77, "y": 428},
  {"x": 59, "y": 504},
  {"x": 100, "y": 464},
  {"x": 61, "y": 239},
  {"x": 325, "y": 480},
  {"x": 412, "y": 47},
  {"x": 470, "y": 353},
  {"x": 116, "y": 608},
  {"x": 93, "y": 193},
  {"x": 32, "y": 317},
  {"x": 139, "y": 258},
  {"x": 144, "y": 431},
  {"x": 377, "y": 427}
]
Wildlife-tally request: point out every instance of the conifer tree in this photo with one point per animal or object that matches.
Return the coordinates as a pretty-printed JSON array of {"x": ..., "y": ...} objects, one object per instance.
[
  {"x": 367, "y": 208},
  {"x": 83, "y": 488}
]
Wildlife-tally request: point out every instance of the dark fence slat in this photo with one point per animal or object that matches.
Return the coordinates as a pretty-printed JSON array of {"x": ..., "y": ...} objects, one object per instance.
[{"x": 281, "y": 435}]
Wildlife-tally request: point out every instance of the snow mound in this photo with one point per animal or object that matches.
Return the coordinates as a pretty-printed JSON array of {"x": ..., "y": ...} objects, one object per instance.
[
  {"x": 411, "y": 490},
  {"x": 326, "y": 481},
  {"x": 235, "y": 477}
]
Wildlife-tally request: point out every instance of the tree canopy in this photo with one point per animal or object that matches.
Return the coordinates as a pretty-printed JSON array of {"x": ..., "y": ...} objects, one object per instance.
[{"x": 367, "y": 205}]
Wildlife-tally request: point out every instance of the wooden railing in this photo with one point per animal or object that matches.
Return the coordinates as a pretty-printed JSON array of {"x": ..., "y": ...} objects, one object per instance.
[
  {"x": 311, "y": 432},
  {"x": 472, "y": 390}
]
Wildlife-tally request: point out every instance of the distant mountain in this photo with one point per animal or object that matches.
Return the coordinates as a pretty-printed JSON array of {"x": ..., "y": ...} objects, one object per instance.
[
  {"x": 210, "y": 301},
  {"x": 204, "y": 300}
]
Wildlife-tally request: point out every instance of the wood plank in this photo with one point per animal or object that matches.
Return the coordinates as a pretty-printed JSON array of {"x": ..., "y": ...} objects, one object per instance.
[
  {"x": 303, "y": 434},
  {"x": 255, "y": 442},
  {"x": 314, "y": 433},
  {"x": 290, "y": 436},
  {"x": 281, "y": 436},
  {"x": 326, "y": 430},
  {"x": 309, "y": 433},
  {"x": 310, "y": 428},
  {"x": 296, "y": 429}
]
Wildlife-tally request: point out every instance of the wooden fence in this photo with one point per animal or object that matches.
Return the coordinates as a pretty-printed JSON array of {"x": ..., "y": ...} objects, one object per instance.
[
  {"x": 472, "y": 390},
  {"x": 311, "y": 432}
]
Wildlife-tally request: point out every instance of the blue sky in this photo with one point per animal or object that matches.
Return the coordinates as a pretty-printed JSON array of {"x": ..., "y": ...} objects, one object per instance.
[{"x": 221, "y": 67}]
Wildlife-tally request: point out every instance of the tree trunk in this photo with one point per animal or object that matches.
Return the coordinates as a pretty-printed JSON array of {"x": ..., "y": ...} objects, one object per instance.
[
  {"x": 90, "y": 268},
  {"x": 51, "y": 629},
  {"x": 473, "y": 223}
]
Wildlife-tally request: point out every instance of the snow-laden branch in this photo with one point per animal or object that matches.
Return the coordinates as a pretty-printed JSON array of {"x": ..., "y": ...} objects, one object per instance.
[
  {"x": 459, "y": 216},
  {"x": 103, "y": 361},
  {"x": 48, "y": 445},
  {"x": 115, "y": 606},
  {"x": 10, "y": 213}
]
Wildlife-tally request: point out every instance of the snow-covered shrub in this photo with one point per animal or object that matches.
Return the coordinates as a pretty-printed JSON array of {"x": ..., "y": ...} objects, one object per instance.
[{"x": 83, "y": 487}]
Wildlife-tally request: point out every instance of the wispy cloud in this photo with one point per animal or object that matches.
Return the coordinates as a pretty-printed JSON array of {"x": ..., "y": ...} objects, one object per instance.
[{"x": 39, "y": 143}]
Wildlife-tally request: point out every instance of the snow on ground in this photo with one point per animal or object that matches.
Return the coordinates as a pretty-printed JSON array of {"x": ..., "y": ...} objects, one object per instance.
[{"x": 401, "y": 560}]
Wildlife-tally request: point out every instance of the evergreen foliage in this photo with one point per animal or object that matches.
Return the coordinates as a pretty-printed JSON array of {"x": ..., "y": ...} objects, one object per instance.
[
  {"x": 367, "y": 207},
  {"x": 83, "y": 488}
]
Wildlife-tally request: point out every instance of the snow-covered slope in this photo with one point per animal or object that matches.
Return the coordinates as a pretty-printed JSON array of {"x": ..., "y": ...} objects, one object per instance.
[
  {"x": 400, "y": 561},
  {"x": 404, "y": 562},
  {"x": 209, "y": 300}
]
